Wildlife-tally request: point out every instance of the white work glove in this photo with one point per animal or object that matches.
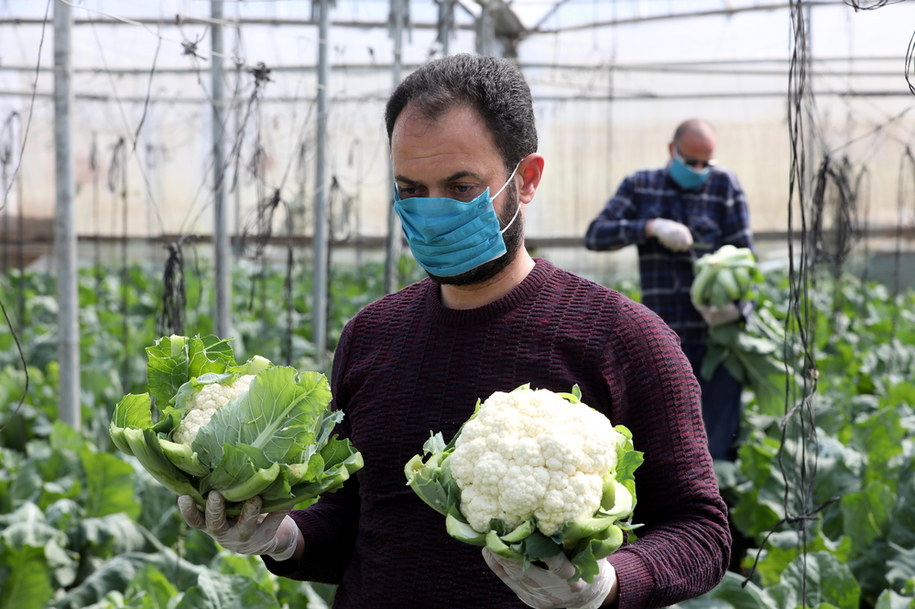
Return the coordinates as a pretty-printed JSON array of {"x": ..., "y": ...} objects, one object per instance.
[
  {"x": 672, "y": 235},
  {"x": 718, "y": 316},
  {"x": 549, "y": 588},
  {"x": 274, "y": 534}
]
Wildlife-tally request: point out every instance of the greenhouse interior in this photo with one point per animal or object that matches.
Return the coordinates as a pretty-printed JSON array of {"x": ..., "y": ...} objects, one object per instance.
[{"x": 196, "y": 192}]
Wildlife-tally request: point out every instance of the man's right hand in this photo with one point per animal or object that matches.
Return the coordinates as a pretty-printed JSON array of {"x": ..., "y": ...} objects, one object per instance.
[
  {"x": 549, "y": 588},
  {"x": 672, "y": 235},
  {"x": 275, "y": 534}
]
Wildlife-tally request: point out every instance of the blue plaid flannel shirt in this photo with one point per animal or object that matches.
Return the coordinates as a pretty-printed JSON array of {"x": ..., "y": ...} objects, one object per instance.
[{"x": 716, "y": 214}]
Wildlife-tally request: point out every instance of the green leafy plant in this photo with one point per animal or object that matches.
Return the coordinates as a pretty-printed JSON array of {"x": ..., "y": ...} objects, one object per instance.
[
  {"x": 271, "y": 437},
  {"x": 826, "y": 501}
]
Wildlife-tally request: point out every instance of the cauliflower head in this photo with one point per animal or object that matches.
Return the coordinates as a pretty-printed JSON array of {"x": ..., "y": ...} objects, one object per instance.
[
  {"x": 531, "y": 454},
  {"x": 203, "y": 405}
]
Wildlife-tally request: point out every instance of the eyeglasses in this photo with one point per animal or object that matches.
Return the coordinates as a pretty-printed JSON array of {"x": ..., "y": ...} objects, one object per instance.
[{"x": 697, "y": 163}]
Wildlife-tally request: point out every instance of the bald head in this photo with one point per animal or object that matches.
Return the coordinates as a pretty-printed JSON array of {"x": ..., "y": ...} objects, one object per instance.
[
  {"x": 694, "y": 139},
  {"x": 695, "y": 127}
]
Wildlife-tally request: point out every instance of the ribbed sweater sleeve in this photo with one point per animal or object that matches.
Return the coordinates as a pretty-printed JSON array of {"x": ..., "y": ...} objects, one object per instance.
[{"x": 683, "y": 547}]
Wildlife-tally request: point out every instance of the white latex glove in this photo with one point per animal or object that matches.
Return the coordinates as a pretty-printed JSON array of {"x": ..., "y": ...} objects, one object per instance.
[
  {"x": 275, "y": 534},
  {"x": 672, "y": 235},
  {"x": 549, "y": 588},
  {"x": 718, "y": 316}
]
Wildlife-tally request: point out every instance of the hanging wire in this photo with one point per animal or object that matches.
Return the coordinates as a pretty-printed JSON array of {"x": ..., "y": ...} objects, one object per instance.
[
  {"x": 862, "y": 190},
  {"x": 341, "y": 210},
  {"x": 233, "y": 157},
  {"x": 261, "y": 236},
  {"x": 858, "y": 5},
  {"x": 260, "y": 231},
  {"x": 611, "y": 94},
  {"x": 836, "y": 227},
  {"x": 135, "y": 132},
  {"x": 25, "y": 366},
  {"x": 3, "y": 203},
  {"x": 149, "y": 82},
  {"x": 96, "y": 220},
  {"x": 797, "y": 453},
  {"x": 6, "y": 160},
  {"x": 287, "y": 291},
  {"x": 117, "y": 185},
  {"x": 902, "y": 197},
  {"x": 170, "y": 318},
  {"x": 7, "y": 135},
  {"x": 799, "y": 406},
  {"x": 253, "y": 108},
  {"x": 255, "y": 167},
  {"x": 301, "y": 171},
  {"x": 910, "y": 65},
  {"x": 260, "y": 228},
  {"x": 28, "y": 122}
]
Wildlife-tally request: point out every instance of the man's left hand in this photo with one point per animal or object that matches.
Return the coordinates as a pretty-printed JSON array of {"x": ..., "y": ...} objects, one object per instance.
[
  {"x": 549, "y": 588},
  {"x": 275, "y": 535}
]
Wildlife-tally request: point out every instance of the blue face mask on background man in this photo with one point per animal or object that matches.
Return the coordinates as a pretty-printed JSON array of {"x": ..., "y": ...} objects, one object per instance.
[
  {"x": 449, "y": 237},
  {"x": 687, "y": 177}
]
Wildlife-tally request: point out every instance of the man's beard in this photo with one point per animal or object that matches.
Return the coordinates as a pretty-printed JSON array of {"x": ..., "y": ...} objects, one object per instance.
[{"x": 513, "y": 238}]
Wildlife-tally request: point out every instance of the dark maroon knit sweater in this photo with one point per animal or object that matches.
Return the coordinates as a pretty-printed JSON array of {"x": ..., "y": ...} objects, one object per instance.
[{"x": 407, "y": 366}]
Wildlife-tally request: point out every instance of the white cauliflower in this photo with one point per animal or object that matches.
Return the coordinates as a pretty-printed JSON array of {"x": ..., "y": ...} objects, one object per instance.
[
  {"x": 208, "y": 399},
  {"x": 533, "y": 454}
]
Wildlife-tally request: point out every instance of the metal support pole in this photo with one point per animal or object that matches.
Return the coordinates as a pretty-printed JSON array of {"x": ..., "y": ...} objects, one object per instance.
[
  {"x": 445, "y": 25},
  {"x": 486, "y": 30},
  {"x": 394, "y": 238},
  {"x": 68, "y": 404},
  {"x": 221, "y": 254},
  {"x": 321, "y": 223}
]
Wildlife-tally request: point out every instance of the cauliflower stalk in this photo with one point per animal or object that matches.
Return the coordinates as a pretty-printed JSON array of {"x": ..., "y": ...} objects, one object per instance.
[
  {"x": 530, "y": 474},
  {"x": 208, "y": 423}
]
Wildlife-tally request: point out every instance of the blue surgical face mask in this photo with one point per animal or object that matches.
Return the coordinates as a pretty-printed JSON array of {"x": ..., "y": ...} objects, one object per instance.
[
  {"x": 449, "y": 237},
  {"x": 684, "y": 175}
]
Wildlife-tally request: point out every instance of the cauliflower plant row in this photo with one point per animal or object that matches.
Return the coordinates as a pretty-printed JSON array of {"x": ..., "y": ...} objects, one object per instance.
[
  {"x": 533, "y": 473},
  {"x": 243, "y": 430}
]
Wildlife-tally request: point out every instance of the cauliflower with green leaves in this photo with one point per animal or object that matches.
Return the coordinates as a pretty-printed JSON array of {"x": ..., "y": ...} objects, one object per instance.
[
  {"x": 208, "y": 423},
  {"x": 533, "y": 473},
  {"x": 533, "y": 454}
]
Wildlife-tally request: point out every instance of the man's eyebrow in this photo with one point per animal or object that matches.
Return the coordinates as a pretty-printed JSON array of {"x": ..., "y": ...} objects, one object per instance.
[
  {"x": 453, "y": 177},
  {"x": 462, "y": 174},
  {"x": 406, "y": 180}
]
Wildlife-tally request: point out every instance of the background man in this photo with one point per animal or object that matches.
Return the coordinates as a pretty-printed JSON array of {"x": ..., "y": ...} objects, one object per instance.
[{"x": 674, "y": 214}]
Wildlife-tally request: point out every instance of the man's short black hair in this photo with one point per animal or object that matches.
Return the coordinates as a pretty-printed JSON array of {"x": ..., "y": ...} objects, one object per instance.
[{"x": 495, "y": 88}]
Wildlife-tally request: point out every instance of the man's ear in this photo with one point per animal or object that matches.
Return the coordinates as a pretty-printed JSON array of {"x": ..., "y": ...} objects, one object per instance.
[{"x": 530, "y": 171}]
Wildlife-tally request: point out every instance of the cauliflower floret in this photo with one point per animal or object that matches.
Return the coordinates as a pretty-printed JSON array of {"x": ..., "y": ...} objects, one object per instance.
[
  {"x": 480, "y": 506},
  {"x": 205, "y": 403},
  {"x": 570, "y": 498},
  {"x": 521, "y": 491},
  {"x": 533, "y": 454}
]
